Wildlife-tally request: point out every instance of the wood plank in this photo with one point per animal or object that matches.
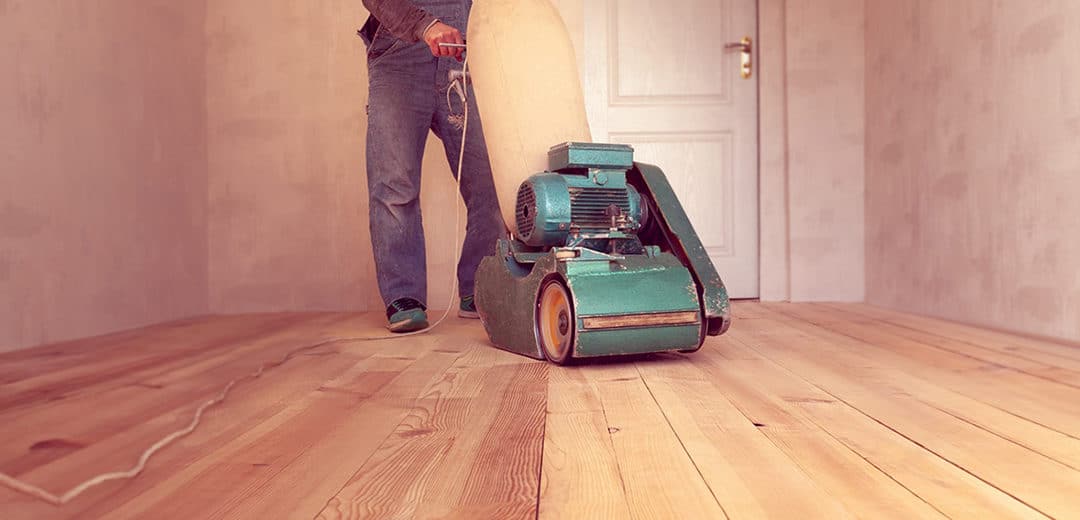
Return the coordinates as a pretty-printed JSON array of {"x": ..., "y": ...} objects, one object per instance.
[
  {"x": 1038, "y": 438},
  {"x": 1052, "y": 371},
  {"x": 856, "y": 379},
  {"x": 945, "y": 487},
  {"x": 470, "y": 448},
  {"x": 52, "y": 357},
  {"x": 150, "y": 429},
  {"x": 1031, "y": 435},
  {"x": 1034, "y": 436},
  {"x": 832, "y": 465},
  {"x": 504, "y": 480},
  {"x": 348, "y": 414},
  {"x": 750, "y": 475},
  {"x": 834, "y": 318},
  {"x": 660, "y": 479},
  {"x": 128, "y": 404},
  {"x": 248, "y": 405},
  {"x": 125, "y": 400},
  {"x": 1038, "y": 349},
  {"x": 580, "y": 471},
  {"x": 1042, "y": 401},
  {"x": 746, "y": 310},
  {"x": 801, "y": 410},
  {"x": 123, "y": 364}
]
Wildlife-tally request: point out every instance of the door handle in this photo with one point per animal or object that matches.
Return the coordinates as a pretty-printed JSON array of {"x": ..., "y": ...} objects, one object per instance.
[{"x": 746, "y": 49}]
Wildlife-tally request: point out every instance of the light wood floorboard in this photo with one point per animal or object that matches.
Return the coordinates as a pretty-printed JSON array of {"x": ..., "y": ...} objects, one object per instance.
[{"x": 800, "y": 411}]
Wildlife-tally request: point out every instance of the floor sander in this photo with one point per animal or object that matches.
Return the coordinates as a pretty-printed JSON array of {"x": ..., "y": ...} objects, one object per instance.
[{"x": 604, "y": 262}]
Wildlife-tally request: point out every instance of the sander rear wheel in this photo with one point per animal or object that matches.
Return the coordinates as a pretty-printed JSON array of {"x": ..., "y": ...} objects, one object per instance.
[{"x": 555, "y": 323}]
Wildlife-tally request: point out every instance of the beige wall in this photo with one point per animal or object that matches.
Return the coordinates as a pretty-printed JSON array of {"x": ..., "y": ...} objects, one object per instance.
[
  {"x": 286, "y": 91},
  {"x": 973, "y": 161},
  {"x": 812, "y": 149},
  {"x": 772, "y": 149},
  {"x": 102, "y": 167}
]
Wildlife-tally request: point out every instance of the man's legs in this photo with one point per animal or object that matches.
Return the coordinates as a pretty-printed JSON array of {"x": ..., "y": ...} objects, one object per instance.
[
  {"x": 399, "y": 114},
  {"x": 485, "y": 225}
]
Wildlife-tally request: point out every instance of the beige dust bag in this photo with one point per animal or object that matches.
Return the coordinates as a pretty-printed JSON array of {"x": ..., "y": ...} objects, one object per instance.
[{"x": 528, "y": 90}]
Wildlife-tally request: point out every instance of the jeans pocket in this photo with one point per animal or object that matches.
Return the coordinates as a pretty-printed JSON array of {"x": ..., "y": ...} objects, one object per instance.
[
  {"x": 378, "y": 51},
  {"x": 382, "y": 43}
]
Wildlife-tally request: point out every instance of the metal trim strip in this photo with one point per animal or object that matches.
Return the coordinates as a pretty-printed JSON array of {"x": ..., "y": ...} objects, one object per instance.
[{"x": 640, "y": 320}]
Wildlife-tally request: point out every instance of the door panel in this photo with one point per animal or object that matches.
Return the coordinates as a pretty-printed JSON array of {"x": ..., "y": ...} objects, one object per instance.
[
  {"x": 654, "y": 48},
  {"x": 656, "y": 76}
]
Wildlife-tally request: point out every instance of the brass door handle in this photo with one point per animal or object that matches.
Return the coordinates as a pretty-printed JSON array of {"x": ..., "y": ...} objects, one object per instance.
[{"x": 746, "y": 48}]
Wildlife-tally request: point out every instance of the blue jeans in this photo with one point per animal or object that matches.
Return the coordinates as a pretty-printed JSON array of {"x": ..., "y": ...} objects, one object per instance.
[{"x": 406, "y": 99}]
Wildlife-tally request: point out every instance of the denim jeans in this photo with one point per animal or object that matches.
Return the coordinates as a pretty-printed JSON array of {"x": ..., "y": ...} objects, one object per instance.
[{"x": 406, "y": 99}]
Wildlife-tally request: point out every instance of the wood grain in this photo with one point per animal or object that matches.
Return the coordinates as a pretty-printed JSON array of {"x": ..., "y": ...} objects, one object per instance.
[
  {"x": 1045, "y": 402},
  {"x": 948, "y": 489},
  {"x": 854, "y": 376},
  {"x": 750, "y": 474},
  {"x": 831, "y": 464},
  {"x": 1054, "y": 353},
  {"x": 581, "y": 469},
  {"x": 470, "y": 446},
  {"x": 801, "y": 410},
  {"x": 660, "y": 478}
]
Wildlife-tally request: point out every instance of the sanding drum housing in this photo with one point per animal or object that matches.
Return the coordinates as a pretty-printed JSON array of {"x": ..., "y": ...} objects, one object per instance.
[{"x": 604, "y": 262}]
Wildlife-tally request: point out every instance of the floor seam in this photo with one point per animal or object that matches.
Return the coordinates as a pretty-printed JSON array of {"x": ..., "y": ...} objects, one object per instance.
[
  {"x": 894, "y": 430},
  {"x": 931, "y": 382},
  {"x": 543, "y": 447},
  {"x": 681, "y": 443},
  {"x": 404, "y": 417}
]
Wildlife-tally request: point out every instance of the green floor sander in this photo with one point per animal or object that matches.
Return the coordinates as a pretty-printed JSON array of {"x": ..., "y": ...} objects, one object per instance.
[{"x": 604, "y": 263}]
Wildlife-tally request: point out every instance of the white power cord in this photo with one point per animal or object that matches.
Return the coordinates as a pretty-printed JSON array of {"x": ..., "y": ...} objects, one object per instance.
[{"x": 457, "y": 84}]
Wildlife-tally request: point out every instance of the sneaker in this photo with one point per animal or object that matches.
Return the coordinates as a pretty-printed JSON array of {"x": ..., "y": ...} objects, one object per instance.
[
  {"x": 467, "y": 309},
  {"x": 406, "y": 315}
]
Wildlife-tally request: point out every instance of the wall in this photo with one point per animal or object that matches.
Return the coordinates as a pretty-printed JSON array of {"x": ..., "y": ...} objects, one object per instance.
[
  {"x": 102, "y": 167},
  {"x": 811, "y": 77},
  {"x": 973, "y": 164},
  {"x": 775, "y": 282},
  {"x": 286, "y": 94}
]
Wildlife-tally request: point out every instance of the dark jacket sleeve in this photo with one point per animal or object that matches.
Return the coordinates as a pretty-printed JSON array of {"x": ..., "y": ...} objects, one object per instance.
[{"x": 401, "y": 17}]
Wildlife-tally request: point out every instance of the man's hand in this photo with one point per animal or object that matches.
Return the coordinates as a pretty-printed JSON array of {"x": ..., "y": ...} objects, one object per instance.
[{"x": 442, "y": 33}]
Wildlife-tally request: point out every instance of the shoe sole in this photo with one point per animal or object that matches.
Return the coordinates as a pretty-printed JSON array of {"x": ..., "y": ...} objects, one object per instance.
[
  {"x": 472, "y": 315},
  {"x": 408, "y": 326}
]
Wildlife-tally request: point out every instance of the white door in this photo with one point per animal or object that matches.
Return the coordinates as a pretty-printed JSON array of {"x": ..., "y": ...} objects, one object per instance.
[{"x": 657, "y": 76}]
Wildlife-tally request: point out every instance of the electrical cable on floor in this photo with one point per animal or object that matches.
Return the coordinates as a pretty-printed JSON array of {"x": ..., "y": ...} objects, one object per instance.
[{"x": 459, "y": 85}]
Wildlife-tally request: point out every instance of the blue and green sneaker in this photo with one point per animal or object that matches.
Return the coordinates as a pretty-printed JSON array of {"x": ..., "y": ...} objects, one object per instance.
[
  {"x": 467, "y": 309},
  {"x": 406, "y": 315}
]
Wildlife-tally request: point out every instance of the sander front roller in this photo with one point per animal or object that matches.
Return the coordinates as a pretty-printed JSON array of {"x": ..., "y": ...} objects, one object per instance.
[{"x": 604, "y": 263}]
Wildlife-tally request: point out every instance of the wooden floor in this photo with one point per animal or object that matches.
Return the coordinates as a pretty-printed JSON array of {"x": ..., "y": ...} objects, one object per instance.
[{"x": 801, "y": 411}]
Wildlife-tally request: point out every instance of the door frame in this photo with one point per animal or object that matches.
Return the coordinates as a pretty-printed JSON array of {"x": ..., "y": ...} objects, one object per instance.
[{"x": 774, "y": 237}]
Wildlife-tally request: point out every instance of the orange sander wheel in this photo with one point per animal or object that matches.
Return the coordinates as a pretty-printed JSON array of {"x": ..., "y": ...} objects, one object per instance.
[{"x": 555, "y": 325}]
